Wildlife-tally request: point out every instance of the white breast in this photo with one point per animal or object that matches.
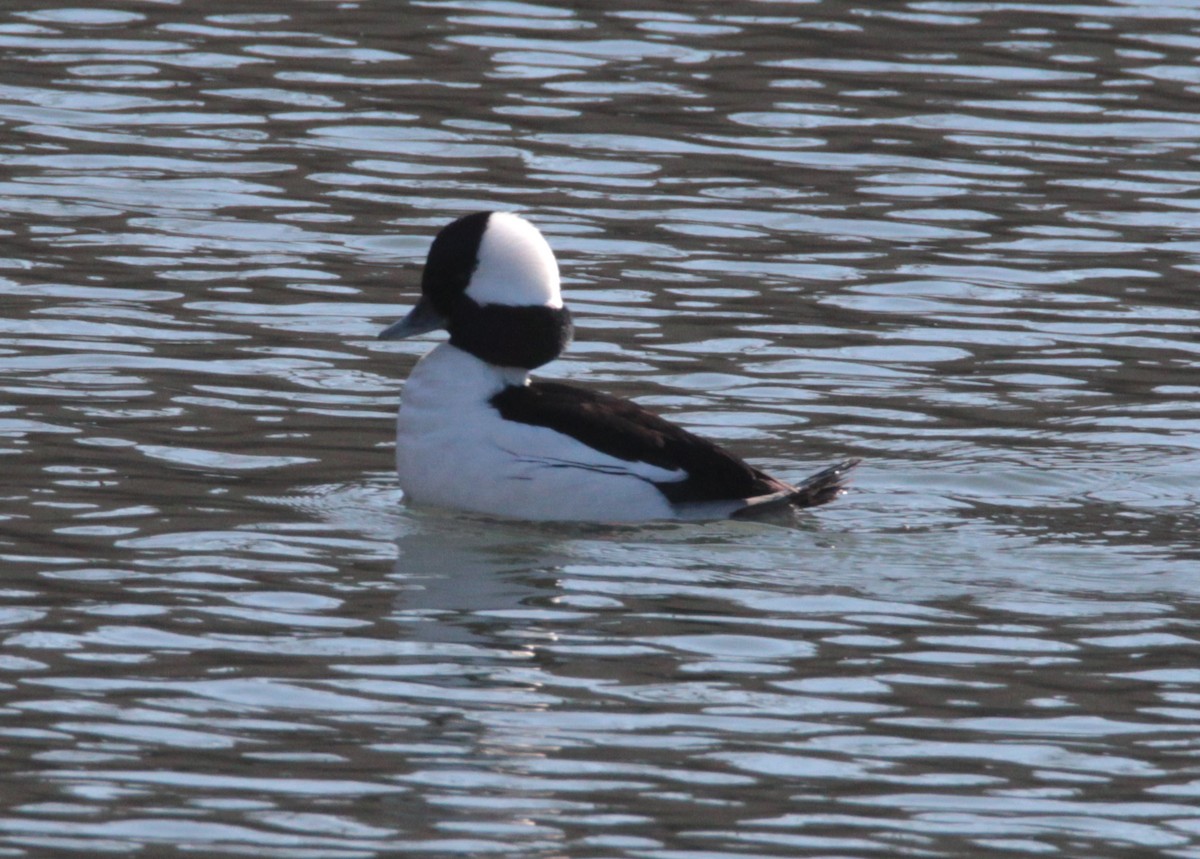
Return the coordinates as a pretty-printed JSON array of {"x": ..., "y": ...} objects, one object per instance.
[{"x": 454, "y": 450}]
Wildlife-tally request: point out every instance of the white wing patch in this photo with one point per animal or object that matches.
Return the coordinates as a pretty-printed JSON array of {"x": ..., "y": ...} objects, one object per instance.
[{"x": 601, "y": 464}]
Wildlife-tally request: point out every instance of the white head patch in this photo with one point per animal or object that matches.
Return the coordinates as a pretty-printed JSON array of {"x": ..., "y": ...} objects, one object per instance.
[{"x": 516, "y": 266}]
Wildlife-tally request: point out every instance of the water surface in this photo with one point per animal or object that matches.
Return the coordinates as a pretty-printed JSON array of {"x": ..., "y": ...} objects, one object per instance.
[{"x": 959, "y": 240}]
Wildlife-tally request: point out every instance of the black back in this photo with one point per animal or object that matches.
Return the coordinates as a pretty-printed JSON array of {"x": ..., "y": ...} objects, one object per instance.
[{"x": 627, "y": 431}]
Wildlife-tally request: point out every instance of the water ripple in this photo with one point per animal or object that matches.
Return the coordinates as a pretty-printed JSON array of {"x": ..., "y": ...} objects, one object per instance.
[{"x": 955, "y": 239}]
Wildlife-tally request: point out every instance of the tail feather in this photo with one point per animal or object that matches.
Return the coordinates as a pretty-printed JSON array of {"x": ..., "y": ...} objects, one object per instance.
[
  {"x": 824, "y": 486},
  {"x": 820, "y": 488}
]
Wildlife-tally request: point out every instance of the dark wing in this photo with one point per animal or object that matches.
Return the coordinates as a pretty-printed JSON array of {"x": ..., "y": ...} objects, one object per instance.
[{"x": 624, "y": 430}]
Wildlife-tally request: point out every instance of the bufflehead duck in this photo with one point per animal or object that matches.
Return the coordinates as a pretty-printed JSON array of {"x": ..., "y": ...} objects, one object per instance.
[{"x": 474, "y": 433}]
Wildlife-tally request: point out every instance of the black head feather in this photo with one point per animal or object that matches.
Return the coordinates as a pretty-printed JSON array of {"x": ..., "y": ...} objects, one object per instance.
[{"x": 452, "y": 259}]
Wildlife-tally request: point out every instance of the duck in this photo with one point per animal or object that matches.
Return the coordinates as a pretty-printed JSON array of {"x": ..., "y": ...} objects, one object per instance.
[{"x": 475, "y": 433}]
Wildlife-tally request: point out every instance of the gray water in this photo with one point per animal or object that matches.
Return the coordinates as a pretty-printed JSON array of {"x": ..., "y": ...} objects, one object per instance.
[{"x": 959, "y": 240}]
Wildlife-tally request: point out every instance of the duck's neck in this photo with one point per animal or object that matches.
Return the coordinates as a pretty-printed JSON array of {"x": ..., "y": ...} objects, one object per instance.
[{"x": 486, "y": 331}]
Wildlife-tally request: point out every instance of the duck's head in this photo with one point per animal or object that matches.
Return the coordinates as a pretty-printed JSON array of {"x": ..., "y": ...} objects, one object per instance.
[{"x": 491, "y": 281}]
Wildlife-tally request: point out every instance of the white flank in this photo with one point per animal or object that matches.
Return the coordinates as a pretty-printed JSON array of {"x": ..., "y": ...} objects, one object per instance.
[{"x": 454, "y": 450}]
